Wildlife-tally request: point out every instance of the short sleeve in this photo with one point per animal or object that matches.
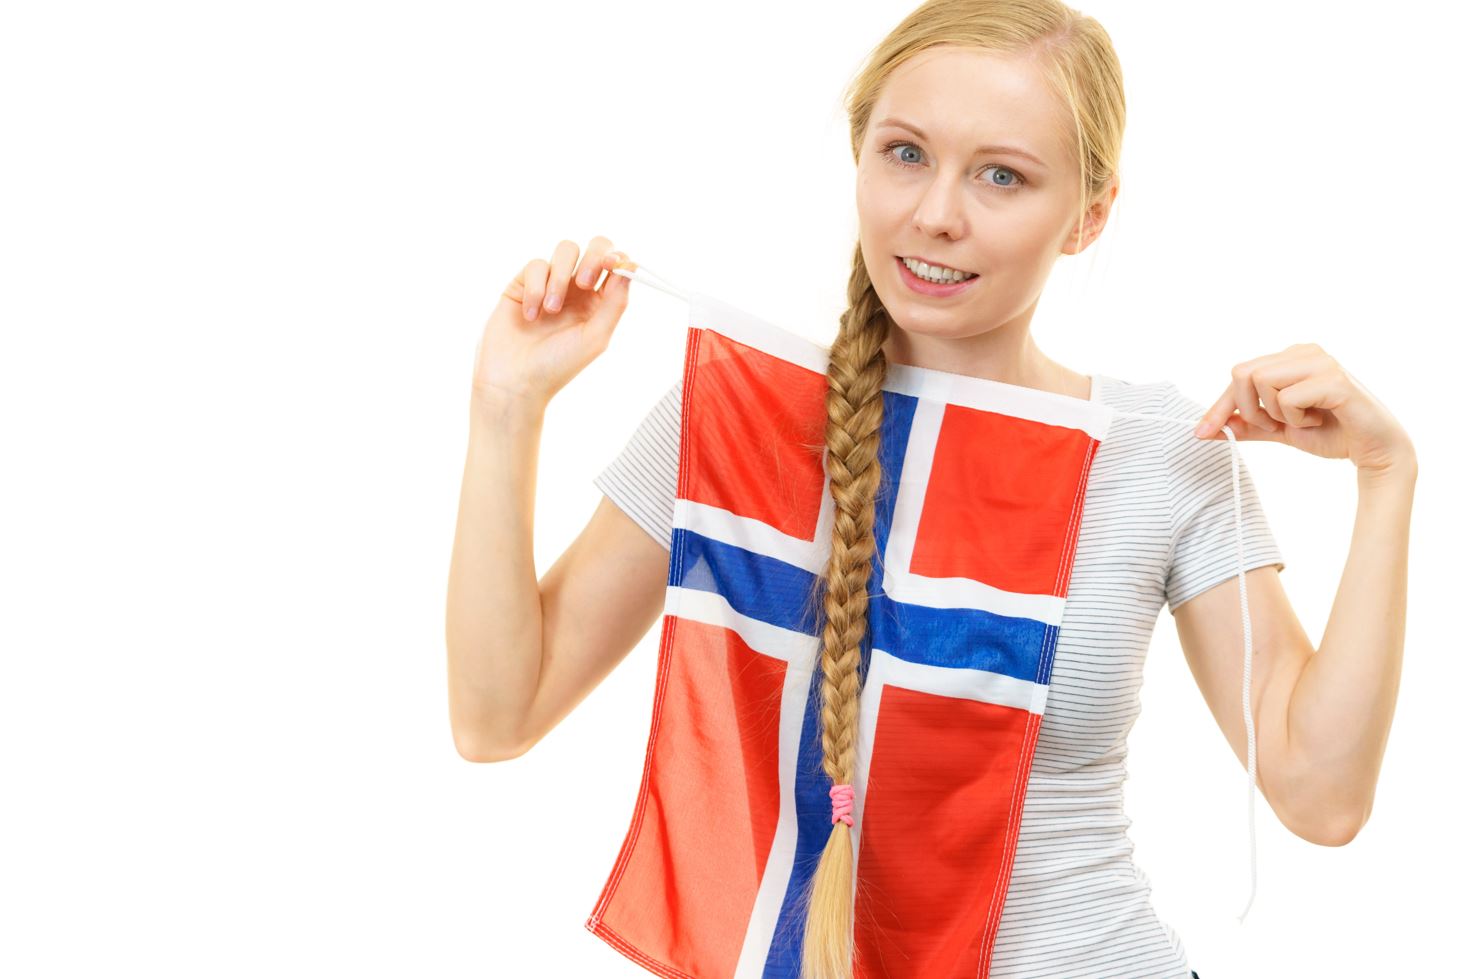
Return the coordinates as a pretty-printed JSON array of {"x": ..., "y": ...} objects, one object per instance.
[
  {"x": 644, "y": 477},
  {"x": 1201, "y": 501}
]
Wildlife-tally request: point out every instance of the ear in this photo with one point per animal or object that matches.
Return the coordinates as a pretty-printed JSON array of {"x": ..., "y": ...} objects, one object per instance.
[{"x": 1096, "y": 218}]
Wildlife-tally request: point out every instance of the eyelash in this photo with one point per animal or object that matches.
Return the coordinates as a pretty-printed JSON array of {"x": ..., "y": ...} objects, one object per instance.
[{"x": 888, "y": 153}]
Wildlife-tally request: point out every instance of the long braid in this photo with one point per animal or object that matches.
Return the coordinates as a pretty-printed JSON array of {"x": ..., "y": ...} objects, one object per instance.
[
  {"x": 1082, "y": 68},
  {"x": 856, "y": 410}
]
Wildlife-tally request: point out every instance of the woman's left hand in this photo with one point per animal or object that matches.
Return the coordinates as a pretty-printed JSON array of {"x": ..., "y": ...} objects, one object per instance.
[{"x": 1303, "y": 397}]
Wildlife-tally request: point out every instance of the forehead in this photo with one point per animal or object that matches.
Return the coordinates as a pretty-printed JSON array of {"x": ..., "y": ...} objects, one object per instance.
[{"x": 967, "y": 97}]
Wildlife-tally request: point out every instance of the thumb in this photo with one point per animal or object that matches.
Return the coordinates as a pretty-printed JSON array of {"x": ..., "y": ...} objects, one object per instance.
[
  {"x": 1244, "y": 432},
  {"x": 615, "y": 289},
  {"x": 613, "y": 300}
]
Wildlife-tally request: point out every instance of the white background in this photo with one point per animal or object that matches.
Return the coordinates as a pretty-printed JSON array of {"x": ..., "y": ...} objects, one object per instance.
[{"x": 247, "y": 252}]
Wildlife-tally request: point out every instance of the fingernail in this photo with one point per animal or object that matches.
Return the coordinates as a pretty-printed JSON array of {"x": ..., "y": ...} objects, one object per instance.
[
  {"x": 585, "y": 278},
  {"x": 530, "y": 311},
  {"x": 1204, "y": 429},
  {"x": 552, "y": 301}
]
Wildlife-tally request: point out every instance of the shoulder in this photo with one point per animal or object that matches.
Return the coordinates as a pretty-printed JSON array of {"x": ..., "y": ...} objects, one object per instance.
[
  {"x": 1189, "y": 469},
  {"x": 1129, "y": 399},
  {"x": 1161, "y": 398},
  {"x": 1153, "y": 397}
]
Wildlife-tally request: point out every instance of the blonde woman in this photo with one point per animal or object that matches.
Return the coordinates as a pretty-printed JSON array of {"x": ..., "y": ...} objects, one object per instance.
[{"x": 987, "y": 137}]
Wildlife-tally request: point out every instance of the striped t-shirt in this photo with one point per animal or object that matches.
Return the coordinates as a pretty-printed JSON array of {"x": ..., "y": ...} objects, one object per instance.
[{"x": 1158, "y": 526}]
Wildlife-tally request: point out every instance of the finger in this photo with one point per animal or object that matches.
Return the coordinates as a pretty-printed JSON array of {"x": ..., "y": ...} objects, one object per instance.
[
  {"x": 535, "y": 278},
  {"x": 614, "y": 296},
  {"x": 1266, "y": 394},
  {"x": 610, "y": 261},
  {"x": 1273, "y": 378},
  {"x": 1244, "y": 431},
  {"x": 1257, "y": 368},
  {"x": 1315, "y": 396},
  {"x": 563, "y": 258},
  {"x": 1244, "y": 391},
  {"x": 1222, "y": 413},
  {"x": 614, "y": 282},
  {"x": 1217, "y": 413},
  {"x": 591, "y": 263},
  {"x": 515, "y": 291},
  {"x": 1270, "y": 373}
]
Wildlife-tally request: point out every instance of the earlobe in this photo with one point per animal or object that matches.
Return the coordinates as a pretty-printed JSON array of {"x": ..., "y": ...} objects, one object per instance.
[
  {"x": 1082, "y": 238},
  {"x": 1096, "y": 217}
]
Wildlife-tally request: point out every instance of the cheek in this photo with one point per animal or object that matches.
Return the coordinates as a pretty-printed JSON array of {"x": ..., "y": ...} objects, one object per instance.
[
  {"x": 1046, "y": 223},
  {"x": 1027, "y": 241},
  {"x": 872, "y": 201},
  {"x": 864, "y": 190},
  {"x": 879, "y": 222}
]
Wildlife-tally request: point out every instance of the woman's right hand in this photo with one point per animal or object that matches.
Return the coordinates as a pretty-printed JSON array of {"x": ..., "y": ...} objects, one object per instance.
[{"x": 534, "y": 356}]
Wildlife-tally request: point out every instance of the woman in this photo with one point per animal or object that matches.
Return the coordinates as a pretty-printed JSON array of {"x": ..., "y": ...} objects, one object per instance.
[{"x": 987, "y": 138}]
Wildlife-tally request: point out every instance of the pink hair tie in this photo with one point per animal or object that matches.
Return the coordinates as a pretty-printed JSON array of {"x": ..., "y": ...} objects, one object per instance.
[{"x": 843, "y": 796}]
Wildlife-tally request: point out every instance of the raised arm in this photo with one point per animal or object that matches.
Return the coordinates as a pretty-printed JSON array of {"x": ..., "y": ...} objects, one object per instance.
[{"x": 522, "y": 654}]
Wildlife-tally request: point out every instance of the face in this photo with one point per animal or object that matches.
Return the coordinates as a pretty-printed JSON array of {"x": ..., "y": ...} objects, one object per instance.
[{"x": 926, "y": 188}]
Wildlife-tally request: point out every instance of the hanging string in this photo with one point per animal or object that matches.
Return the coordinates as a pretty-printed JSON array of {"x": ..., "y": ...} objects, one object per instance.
[
  {"x": 632, "y": 270},
  {"x": 644, "y": 274}
]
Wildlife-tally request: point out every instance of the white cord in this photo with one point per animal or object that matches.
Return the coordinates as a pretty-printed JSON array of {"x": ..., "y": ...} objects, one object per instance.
[{"x": 644, "y": 275}]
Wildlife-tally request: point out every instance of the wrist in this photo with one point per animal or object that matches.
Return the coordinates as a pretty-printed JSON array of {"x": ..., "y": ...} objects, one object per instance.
[
  {"x": 505, "y": 406},
  {"x": 1402, "y": 473}
]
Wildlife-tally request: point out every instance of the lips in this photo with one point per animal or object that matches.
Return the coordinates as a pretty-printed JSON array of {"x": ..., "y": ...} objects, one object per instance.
[
  {"x": 926, "y": 287},
  {"x": 940, "y": 265}
]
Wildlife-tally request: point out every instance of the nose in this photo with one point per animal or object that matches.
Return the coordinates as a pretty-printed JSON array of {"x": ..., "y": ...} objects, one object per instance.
[{"x": 940, "y": 211}]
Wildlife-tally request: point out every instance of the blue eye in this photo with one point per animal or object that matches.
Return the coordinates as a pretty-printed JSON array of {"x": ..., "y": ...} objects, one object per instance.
[
  {"x": 1007, "y": 171},
  {"x": 893, "y": 146},
  {"x": 889, "y": 153}
]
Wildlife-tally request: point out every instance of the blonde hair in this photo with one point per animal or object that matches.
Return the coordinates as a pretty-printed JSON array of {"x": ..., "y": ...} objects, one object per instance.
[{"x": 1076, "y": 56}]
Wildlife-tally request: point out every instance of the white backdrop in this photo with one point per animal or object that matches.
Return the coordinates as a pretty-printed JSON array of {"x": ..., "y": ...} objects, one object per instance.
[{"x": 247, "y": 252}]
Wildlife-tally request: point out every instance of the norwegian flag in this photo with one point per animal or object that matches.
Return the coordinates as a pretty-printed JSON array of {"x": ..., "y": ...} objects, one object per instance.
[{"x": 982, "y": 485}]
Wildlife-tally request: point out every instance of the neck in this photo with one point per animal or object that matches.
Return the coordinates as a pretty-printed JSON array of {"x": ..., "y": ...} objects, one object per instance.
[{"x": 1007, "y": 354}]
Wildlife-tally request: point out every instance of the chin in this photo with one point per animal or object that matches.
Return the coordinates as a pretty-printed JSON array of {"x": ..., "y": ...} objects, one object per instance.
[{"x": 913, "y": 318}]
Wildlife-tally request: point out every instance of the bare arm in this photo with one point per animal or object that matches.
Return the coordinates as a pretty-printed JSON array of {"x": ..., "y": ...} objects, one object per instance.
[
  {"x": 1212, "y": 634},
  {"x": 494, "y": 621},
  {"x": 600, "y": 597},
  {"x": 522, "y": 654},
  {"x": 1327, "y": 710}
]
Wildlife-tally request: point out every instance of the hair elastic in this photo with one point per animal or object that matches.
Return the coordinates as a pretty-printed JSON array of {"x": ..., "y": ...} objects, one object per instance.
[{"x": 843, "y": 796}]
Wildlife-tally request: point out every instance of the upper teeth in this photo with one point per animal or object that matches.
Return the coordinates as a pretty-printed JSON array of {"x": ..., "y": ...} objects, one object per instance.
[{"x": 936, "y": 271}]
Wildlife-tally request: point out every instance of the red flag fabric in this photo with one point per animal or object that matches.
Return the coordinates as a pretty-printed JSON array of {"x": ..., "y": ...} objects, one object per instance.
[{"x": 976, "y": 525}]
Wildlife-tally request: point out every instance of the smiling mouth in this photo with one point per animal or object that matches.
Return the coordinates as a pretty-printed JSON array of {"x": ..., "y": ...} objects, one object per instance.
[{"x": 909, "y": 260}]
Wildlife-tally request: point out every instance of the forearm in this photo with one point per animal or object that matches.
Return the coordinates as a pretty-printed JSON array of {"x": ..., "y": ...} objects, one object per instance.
[
  {"x": 494, "y": 606},
  {"x": 1343, "y": 702}
]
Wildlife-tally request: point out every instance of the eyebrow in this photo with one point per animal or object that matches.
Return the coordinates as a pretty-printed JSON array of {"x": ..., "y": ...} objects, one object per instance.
[{"x": 1014, "y": 150}]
